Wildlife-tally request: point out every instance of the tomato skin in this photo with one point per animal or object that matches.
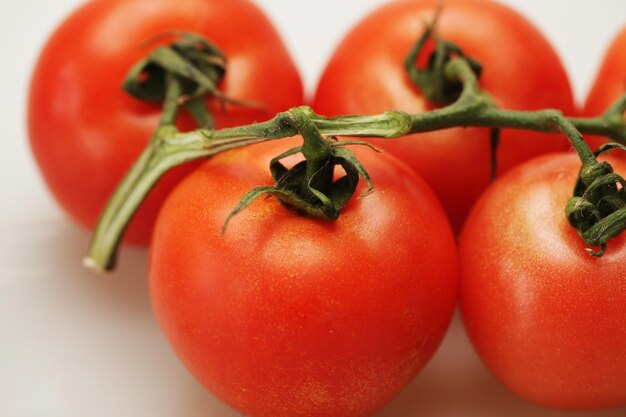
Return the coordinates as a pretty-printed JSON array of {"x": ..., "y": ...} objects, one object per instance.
[
  {"x": 285, "y": 315},
  {"x": 85, "y": 131},
  {"x": 548, "y": 319},
  {"x": 521, "y": 72},
  {"x": 609, "y": 85}
]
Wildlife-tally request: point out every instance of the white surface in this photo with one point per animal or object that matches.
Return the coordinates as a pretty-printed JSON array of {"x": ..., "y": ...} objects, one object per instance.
[{"x": 76, "y": 344}]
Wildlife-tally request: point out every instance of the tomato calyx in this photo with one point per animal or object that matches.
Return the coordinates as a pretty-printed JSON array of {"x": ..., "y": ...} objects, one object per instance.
[
  {"x": 432, "y": 80},
  {"x": 598, "y": 208},
  {"x": 309, "y": 187},
  {"x": 435, "y": 83},
  {"x": 196, "y": 64}
]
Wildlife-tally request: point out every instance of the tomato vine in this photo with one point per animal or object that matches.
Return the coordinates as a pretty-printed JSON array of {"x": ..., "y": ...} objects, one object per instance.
[{"x": 471, "y": 107}]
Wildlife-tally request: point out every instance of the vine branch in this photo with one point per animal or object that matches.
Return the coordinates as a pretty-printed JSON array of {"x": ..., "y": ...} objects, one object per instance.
[{"x": 170, "y": 148}]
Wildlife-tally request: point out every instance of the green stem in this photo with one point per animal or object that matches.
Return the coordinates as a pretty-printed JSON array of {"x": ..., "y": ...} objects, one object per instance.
[
  {"x": 609, "y": 125},
  {"x": 130, "y": 193},
  {"x": 171, "y": 104},
  {"x": 160, "y": 156},
  {"x": 315, "y": 149},
  {"x": 473, "y": 108},
  {"x": 166, "y": 149}
]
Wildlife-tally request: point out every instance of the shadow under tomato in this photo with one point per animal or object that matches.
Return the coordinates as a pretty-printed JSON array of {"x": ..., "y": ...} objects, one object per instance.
[{"x": 456, "y": 383}]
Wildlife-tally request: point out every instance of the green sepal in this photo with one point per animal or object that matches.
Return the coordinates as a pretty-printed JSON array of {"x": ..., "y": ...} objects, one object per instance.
[
  {"x": 431, "y": 80},
  {"x": 598, "y": 208},
  {"x": 245, "y": 201},
  {"x": 146, "y": 80},
  {"x": 354, "y": 169},
  {"x": 197, "y": 66},
  {"x": 313, "y": 196},
  {"x": 611, "y": 225},
  {"x": 277, "y": 169},
  {"x": 200, "y": 113}
]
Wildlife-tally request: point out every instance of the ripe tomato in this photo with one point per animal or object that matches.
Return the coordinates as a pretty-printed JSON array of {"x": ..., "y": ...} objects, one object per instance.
[
  {"x": 520, "y": 71},
  {"x": 85, "y": 131},
  {"x": 547, "y": 318},
  {"x": 290, "y": 316},
  {"x": 610, "y": 83}
]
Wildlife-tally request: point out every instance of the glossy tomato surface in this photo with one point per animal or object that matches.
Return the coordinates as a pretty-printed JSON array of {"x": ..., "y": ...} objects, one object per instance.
[
  {"x": 547, "y": 318},
  {"x": 289, "y": 316},
  {"x": 521, "y": 71},
  {"x": 85, "y": 131},
  {"x": 610, "y": 82}
]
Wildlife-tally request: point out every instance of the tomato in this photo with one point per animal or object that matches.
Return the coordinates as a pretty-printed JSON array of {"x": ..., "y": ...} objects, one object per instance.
[
  {"x": 547, "y": 318},
  {"x": 291, "y": 316},
  {"x": 85, "y": 131},
  {"x": 520, "y": 72},
  {"x": 610, "y": 83}
]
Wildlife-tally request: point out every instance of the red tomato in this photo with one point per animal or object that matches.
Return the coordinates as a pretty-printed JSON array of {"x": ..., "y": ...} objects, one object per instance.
[
  {"x": 610, "y": 83},
  {"x": 85, "y": 131},
  {"x": 289, "y": 316},
  {"x": 521, "y": 72},
  {"x": 547, "y": 318}
]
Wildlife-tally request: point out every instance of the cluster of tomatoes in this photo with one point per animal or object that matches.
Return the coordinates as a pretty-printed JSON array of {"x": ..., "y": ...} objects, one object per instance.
[{"x": 285, "y": 315}]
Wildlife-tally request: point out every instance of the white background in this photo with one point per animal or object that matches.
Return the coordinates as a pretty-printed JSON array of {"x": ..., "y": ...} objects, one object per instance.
[{"x": 76, "y": 344}]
